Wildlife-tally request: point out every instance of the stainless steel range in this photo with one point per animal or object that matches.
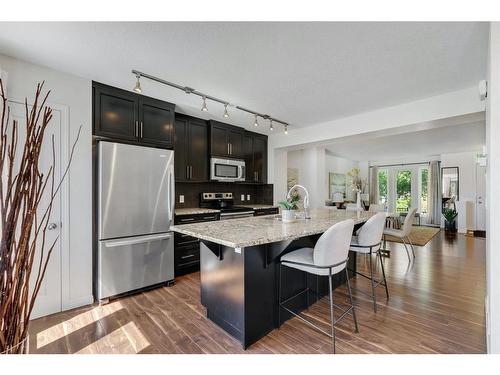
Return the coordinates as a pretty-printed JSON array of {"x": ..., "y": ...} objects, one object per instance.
[{"x": 225, "y": 203}]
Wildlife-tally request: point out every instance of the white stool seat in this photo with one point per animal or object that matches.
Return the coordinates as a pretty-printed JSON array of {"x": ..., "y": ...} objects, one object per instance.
[
  {"x": 363, "y": 250},
  {"x": 305, "y": 255}
]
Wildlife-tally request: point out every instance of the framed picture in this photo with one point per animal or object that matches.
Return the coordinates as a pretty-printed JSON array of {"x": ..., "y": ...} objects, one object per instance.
[{"x": 337, "y": 184}]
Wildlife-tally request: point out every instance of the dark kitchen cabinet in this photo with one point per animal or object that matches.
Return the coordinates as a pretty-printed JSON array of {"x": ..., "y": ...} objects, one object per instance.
[
  {"x": 226, "y": 140},
  {"x": 125, "y": 116},
  {"x": 187, "y": 248},
  {"x": 255, "y": 149},
  {"x": 115, "y": 112},
  {"x": 191, "y": 149},
  {"x": 156, "y": 121}
]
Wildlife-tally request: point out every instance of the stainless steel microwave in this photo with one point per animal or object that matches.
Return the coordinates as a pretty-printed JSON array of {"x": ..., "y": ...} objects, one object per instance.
[{"x": 228, "y": 170}]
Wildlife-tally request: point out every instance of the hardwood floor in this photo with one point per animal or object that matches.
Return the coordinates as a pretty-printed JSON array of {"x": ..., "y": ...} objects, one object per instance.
[{"x": 436, "y": 305}]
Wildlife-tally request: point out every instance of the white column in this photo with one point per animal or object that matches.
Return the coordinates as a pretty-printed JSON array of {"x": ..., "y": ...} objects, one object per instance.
[{"x": 492, "y": 189}]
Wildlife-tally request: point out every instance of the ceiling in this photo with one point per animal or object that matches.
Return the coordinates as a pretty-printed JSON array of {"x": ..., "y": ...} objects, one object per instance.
[
  {"x": 303, "y": 73},
  {"x": 411, "y": 145}
]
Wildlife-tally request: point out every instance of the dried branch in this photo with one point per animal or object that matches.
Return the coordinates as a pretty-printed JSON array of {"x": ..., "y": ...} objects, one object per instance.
[{"x": 24, "y": 222}]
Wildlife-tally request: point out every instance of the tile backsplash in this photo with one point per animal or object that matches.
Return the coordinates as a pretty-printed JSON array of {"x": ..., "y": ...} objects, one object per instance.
[{"x": 259, "y": 194}]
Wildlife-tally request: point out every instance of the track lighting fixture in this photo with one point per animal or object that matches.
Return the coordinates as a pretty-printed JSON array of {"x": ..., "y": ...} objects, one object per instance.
[
  {"x": 204, "y": 106},
  {"x": 225, "y": 103},
  {"x": 137, "y": 87}
]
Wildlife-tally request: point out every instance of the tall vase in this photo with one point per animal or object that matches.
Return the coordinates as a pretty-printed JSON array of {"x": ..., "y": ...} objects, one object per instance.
[{"x": 359, "y": 207}]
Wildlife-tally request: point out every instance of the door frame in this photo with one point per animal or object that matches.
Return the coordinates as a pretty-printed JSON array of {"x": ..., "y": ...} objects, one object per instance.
[{"x": 64, "y": 235}]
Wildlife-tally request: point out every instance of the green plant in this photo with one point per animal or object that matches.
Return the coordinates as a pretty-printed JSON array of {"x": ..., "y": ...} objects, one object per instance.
[
  {"x": 291, "y": 203},
  {"x": 449, "y": 214}
]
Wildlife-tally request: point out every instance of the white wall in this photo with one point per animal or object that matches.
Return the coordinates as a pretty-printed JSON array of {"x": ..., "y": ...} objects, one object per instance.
[
  {"x": 314, "y": 164},
  {"x": 492, "y": 184},
  {"x": 75, "y": 94}
]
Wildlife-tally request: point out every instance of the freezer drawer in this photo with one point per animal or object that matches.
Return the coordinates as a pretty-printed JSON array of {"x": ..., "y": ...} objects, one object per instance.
[{"x": 132, "y": 263}]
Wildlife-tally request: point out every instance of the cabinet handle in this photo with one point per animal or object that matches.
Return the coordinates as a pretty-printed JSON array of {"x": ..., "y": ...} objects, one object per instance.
[
  {"x": 187, "y": 219},
  {"x": 187, "y": 172},
  {"x": 142, "y": 127},
  {"x": 228, "y": 149},
  {"x": 187, "y": 256},
  {"x": 137, "y": 128},
  {"x": 231, "y": 148},
  {"x": 190, "y": 172}
]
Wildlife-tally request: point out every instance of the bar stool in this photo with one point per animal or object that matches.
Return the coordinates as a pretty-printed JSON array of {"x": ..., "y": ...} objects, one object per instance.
[
  {"x": 328, "y": 258},
  {"x": 368, "y": 241}
]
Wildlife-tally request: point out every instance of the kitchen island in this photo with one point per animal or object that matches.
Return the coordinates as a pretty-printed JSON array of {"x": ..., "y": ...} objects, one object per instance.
[{"x": 238, "y": 268}]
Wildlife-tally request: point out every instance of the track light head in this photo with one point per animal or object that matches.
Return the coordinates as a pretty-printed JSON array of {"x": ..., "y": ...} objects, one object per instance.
[
  {"x": 137, "y": 87},
  {"x": 286, "y": 129},
  {"x": 204, "y": 106},
  {"x": 226, "y": 114},
  {"x": 271, "y": 127},
  {"x": 256, "y": 123}
]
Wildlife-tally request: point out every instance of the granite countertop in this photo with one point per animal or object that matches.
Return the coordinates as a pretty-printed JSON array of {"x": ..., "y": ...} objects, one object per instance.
[
  {"x": 194, "y": 211},
  {"x": 257, "y": 206},
  {"x": 260, "y": 230}
]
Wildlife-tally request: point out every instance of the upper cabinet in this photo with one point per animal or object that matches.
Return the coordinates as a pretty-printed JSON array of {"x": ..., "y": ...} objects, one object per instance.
[
  {"x": 255, "y": 150},
  {"x": 123, "y": 115},
  {"x": 191, "y": 149},
  {"x": 226, "y": 140}
]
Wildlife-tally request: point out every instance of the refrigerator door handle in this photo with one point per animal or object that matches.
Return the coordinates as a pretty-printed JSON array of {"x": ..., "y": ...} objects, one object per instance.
[
  {"x": 171, "y": 196},
  {"x": 136, "y": 240}
]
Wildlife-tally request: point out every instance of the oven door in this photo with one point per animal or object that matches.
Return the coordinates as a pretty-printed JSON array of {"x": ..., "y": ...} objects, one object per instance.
[{"x": 227, "y": 170}]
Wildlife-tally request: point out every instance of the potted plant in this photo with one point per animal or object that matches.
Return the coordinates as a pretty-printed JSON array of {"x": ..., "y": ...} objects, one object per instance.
[
  {"x": 24, "y": 251},
  {"x": 288, "y": 208},
  {"x": 450, "y": 224}
]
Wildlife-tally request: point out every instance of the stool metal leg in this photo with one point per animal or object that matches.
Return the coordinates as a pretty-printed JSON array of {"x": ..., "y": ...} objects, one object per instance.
[
  {"x": 373, "y": 284},
  {"x": 331, "y": 309},
  {"x": 350, "y": 299},
  {"x": 383, "y": 275},
  {"x": 411, "y": 245},
  {"x": 279, "y": 296},
  {"x": 406, "y": 248}
]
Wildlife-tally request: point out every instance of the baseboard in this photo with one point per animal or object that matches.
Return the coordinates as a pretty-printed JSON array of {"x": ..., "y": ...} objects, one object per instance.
[{"x": 73, "y": 304}]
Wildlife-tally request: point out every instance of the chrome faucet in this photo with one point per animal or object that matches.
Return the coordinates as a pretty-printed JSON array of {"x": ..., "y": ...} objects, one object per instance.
[{"x": 306, "y": 199}]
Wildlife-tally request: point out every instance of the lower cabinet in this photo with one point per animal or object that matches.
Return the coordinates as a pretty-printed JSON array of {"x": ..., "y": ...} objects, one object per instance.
[{"x": 187, "y": 248}]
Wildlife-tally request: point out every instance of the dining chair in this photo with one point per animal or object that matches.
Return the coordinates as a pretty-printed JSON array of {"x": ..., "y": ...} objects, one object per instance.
[
  {"x": 351, "y": 207},
  {"x": 367, "y": 241},
  {"x": 328, "y": 258},
  {"x": 404, "y": 232},
  {"x": 376, "y": 208}
]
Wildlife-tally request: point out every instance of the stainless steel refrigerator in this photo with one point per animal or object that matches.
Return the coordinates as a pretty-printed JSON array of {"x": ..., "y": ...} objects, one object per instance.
[{"x": 135, "y": 210}]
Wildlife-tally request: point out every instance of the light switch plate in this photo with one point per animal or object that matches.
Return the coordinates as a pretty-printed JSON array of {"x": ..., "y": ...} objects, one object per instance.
[
  {"x": 248, "y": 197},
  {"x": 242, "y": 197},
  {"x": 181, "y": 198}
]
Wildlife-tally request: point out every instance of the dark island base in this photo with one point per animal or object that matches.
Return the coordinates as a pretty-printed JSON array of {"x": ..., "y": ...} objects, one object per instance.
[{"x": 239, "y": 288}]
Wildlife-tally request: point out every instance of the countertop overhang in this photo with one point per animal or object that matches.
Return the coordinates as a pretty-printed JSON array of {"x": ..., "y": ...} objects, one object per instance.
[{"x": 261, "y": 230}]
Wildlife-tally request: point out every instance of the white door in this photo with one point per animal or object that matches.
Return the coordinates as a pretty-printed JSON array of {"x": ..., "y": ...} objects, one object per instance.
[
  {"x": 480, "y": 197},
  {"x": 49, "y": 297}
]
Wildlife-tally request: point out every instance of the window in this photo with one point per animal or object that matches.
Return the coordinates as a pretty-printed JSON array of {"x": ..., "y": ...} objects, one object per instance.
[
  {"x": 424, "y": 183},
  {"x": 403, "y": 190},
  {"x": 382, "y": 186}
]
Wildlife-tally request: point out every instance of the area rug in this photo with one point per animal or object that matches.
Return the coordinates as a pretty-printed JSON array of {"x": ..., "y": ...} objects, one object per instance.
[{"x": 419, "y": 235}]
